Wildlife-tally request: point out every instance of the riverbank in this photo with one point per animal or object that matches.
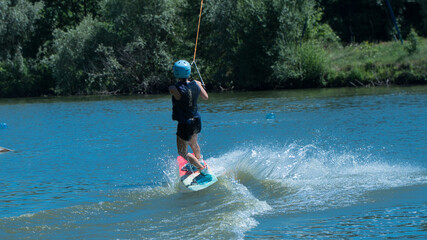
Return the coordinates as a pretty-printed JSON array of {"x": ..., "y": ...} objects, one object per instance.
[
  {"x": 385, "y": 63},
  {"x": 356, "y": 65}
]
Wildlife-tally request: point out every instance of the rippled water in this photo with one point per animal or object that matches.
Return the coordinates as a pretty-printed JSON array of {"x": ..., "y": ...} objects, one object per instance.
[{"x": 333, "y": 163}]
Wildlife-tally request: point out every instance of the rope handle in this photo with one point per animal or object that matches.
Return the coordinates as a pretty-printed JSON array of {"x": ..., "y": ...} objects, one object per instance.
[{"x": 200, "y": 76}]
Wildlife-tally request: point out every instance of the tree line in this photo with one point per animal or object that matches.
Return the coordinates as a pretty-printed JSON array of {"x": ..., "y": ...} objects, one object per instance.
[{"x": 71, "y": 47}]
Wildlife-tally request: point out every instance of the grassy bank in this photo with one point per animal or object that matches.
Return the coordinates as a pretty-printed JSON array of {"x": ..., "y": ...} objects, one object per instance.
[{"x": 370, "y": 64}]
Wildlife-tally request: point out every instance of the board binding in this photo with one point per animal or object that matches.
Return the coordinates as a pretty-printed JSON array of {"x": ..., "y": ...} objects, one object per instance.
[{"x": 194, "y": 181}]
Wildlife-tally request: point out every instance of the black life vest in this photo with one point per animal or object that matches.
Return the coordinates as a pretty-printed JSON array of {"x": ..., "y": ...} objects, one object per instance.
[{"x": 186, "y": 107}]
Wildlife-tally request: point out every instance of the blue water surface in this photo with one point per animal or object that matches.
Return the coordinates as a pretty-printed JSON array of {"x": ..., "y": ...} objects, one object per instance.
[{"x": 332, "y": 163}]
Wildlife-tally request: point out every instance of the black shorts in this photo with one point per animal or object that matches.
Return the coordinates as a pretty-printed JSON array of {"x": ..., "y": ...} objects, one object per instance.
[{"x": 188, "y": 129}]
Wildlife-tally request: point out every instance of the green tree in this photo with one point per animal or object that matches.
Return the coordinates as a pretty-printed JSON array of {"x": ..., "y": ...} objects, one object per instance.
[
  {"x": 367, "y": 20},
  {"x": 246, "y": 39},
  {"x": 58, "y": 14},
  {"x": 17, "y": 74},
  {"x": 142, "y": 32},
  {"x": 73, "y": 51},
  {"x": 124, "y": 50},
  {"x": 185, "y": 23},
  {"x": 16, "y": 24},
  {"x": 422, "y": 20}
]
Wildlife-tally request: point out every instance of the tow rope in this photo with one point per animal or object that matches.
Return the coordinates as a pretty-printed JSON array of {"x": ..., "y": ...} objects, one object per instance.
[
  {"x": 198, "y": 28},
  {"x": 195, "y": 48}
]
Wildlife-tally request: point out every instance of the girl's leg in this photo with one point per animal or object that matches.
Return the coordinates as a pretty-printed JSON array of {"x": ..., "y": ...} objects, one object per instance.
[
  {"x": 182, "y": 151},
  {"x": 196, "y": 150},
  {"x": 195, "y": 146}
]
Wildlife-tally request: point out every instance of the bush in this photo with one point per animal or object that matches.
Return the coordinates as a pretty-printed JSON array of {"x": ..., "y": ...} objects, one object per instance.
[
  {"x": 306, "y": 66},
  {"x": 336, "y": 79},
  {"x": 313, "y": 64},
  {"x": 25, "y": 78},
  {"x": 413, "y": 41},
  {"x": 406, "y": 78},
  {"x": 321, "y": 32}
]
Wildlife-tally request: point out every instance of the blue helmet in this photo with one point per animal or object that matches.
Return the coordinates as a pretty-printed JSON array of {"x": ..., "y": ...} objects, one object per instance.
[{"x": 182, "y": 69}]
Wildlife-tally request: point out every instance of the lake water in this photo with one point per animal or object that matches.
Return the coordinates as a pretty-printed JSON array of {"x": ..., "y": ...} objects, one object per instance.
[{"x": 333, "y": 163}]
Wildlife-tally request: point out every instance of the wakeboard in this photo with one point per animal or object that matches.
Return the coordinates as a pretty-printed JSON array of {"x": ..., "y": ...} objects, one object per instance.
[{"x": 194, "y": 181}]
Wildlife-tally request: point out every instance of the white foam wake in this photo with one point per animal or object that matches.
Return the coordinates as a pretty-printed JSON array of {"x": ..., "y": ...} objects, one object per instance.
[{"x": 307, "y": 178}]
